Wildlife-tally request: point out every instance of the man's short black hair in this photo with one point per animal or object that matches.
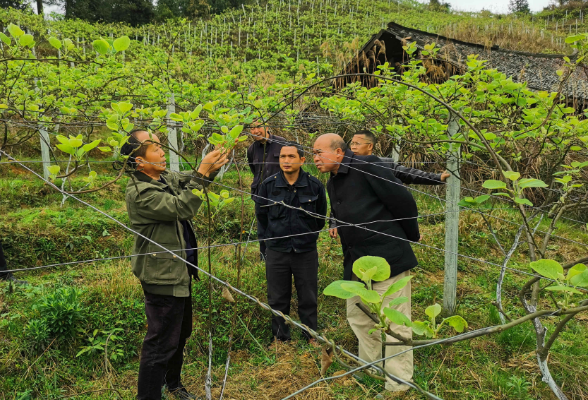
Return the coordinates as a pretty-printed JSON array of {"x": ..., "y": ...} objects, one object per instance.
[
  {"x": 298, "y": 146},
  {"x": 368, "y": 135},
  {"x": 133, "y": 148}
]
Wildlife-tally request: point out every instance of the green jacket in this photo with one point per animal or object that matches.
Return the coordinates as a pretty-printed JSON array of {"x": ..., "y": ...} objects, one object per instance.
[{"x": 156, "y": 214}]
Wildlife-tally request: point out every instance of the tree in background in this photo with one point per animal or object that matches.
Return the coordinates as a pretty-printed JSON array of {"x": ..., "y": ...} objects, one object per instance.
[
  {"x": 132, "y": 12},
  {"x": 16, "y": 4},
  {"x": 189, "y": 9},
  {"x": 519, "y": 6},
  {"x": 437, "y": 5},
  {"x": 40, "y": 4}
]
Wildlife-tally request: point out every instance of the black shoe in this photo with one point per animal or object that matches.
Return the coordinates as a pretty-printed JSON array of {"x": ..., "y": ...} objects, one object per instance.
[
  {"x": 10, "y": 278},
  {"x": 182, "y": 394}
]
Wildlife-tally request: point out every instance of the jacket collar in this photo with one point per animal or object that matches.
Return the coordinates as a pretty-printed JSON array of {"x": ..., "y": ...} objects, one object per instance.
[
  {"x": 302, "y": 180},
  {"x": 344, "y": 166},
  {"x": 270, "y": 140},
  {"x": 142, "y": 177}
]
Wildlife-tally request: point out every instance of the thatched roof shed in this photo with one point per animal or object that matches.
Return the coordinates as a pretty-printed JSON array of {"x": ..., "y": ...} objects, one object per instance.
[{"x": 538, "y": 70}]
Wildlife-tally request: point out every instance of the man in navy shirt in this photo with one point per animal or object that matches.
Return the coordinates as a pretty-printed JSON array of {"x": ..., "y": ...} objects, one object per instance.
[
  {"x": 291, "y": 208},
  {"x": 263, "y": 157}
]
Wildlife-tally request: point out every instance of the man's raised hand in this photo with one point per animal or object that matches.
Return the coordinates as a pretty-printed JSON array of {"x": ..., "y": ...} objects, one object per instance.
[{"x": 213, "y": 161}]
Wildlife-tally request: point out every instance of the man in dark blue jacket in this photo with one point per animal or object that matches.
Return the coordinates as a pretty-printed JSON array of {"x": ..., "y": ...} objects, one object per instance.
[
  {"x": 291, "y": 207},
  {"x": 263, "y": 159}
]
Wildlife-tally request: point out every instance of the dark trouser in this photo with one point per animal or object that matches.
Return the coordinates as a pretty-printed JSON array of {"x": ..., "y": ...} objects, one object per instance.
[
  {"x": 279, "y": 268},
  {"x": 169, "y": 324},
  {"x": 3, "y": 266},
  {"x": 262, "y": 249}
]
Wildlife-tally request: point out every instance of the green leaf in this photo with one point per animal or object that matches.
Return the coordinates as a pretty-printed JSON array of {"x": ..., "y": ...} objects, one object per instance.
[
  {"x": 122, "y": 43},
  {"x": 367, "y": 296},
  {"x": 513, "y": 176},
  {"x": 66, "y": 148},
  {"x": 526, "y": 202},
  {"x": 575, "y": 148},
  {"x": 563, "y": 289},
  {"x": 578, "y": 275},
  {"x": 176, "y": 117},
  {"x": 62, "y": 139},
  {"x": 75, "y": 142},
  {"x": 196, "y": 113},
  {"x": 482, "y": 198},
  {"x": 91, "y": 146},
  {"x": 53, "y": 41},
  {"x": 27, "y": 40},
  {"x": 531, "y": 182},
  {"x": 457, "y": 322},
  {"x": 53, "y": 169},
  {"x": 494, "y": 184},
  {"x": 124, "y": 107},
  {"x": 396, "y": 286},
  {"x": 364, "y": 263},
  {"x": 224, "y": 129},
  {"x": 433, "y": 311},
  {"x": 575, "y": 38},
  {"x": 112, "y": 125},
  {"x": 575, "y": 270},
  {"x": 335, "y": 289},
  {"x": 5, "y": 39},
  {"x": 15, "y": 31},
  {"x": 236, "y": 131},
  {"x": 489, "y": 136},
  {"x": 422, "y": 328},
  {"x": 104, "y": 149},
  {"x": 367, "y": 275},
  {"x": 548, "y": 268},
  {"x": 396, "y": 317},
  {"x": 101, "y": 46},
  {"x": 397, "y": 301}
]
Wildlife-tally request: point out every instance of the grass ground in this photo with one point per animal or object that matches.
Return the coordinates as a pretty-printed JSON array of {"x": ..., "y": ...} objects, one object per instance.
[{"x": 105, "y": 301}]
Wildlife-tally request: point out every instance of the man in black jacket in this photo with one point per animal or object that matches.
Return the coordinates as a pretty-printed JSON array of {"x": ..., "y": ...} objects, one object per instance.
[
  {"x": 291, "y": 202},
  {"x": 263, "y": 157},
  {"x": 362, "y": 193}
]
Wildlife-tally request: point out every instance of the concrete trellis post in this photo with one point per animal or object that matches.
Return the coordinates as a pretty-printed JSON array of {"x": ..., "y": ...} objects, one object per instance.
[
  {"x": 451, "y": 222},
  {"x": 172, "y": 136}
]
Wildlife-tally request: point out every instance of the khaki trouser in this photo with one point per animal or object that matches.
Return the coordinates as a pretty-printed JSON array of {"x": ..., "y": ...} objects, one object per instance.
[{"x": 370, "y": 346}]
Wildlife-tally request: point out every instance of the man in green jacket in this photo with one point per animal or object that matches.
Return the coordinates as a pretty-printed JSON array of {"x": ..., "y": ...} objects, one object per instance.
[{"x": 161, "y": 204}]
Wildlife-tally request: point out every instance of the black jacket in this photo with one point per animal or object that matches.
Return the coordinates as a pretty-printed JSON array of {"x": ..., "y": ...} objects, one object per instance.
[
  {"x": 264, "y": 159},
  {"x": 406, "y": 175},
  {"x": 275, "y": 220},
  {"x": 410, "y": 176},
  {"x": 359, "y": 196}
]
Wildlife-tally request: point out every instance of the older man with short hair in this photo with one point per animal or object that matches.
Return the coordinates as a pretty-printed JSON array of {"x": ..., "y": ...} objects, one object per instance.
[{"x": 362, "y": 193}]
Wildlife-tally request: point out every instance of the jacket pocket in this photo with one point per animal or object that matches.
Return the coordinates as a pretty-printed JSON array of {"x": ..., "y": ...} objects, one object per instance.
[
  {"x": 163, "y": 268},
  {"x": 276, "y": 207}
]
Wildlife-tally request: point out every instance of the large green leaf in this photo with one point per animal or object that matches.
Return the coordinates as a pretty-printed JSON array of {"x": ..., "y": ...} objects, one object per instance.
[
  {"x": 365, "y": 263},
  {"x": 494, "y": 184},
  {"x": 367, "y": 296},
  {"x": 531, "y": 182},
  {"x": 124, "y": 107},
  {"x": 5, "y": 39},
  {"x": 563, "y": 289},
  {"x": 422, "y": 328},
  {"x": 526, "y": 202},
  {"x": 396, "y": 286},
  {"x": 397, "y": 301},
  {"x": 548, "y": 268},
  {"x": 579, "y": 276},
  {"x": 396, "y": 317},
  {"x": 457, "y": 322},
  {"x": 335, "y": 289},
  {"x": 27, "y": 40},
  {"x": 66, "y": 148},
  {"x": 236, "y": 131},
  {"x": 512, "y": 175},
  {"x": 433, "y": 311},
  {"x": 91, "y": 146},
  {"x": 53, "y": 41},
  {"x": 15, "y": 31},
  {"x": 101, "y": 46},
  {"x": 122, "y": 43}
]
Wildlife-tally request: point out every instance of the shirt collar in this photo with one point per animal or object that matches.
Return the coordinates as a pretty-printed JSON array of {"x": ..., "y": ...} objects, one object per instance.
[
  {"x": 141, "y": 176},
  {"x": 302, "y": 180}
]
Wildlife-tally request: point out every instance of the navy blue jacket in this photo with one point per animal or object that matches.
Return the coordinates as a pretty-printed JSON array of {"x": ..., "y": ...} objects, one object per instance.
[
  {"x": 274, "y": 220},
  {"x": 384, "y": 209},
  {"x": 264, "y": 159}
]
